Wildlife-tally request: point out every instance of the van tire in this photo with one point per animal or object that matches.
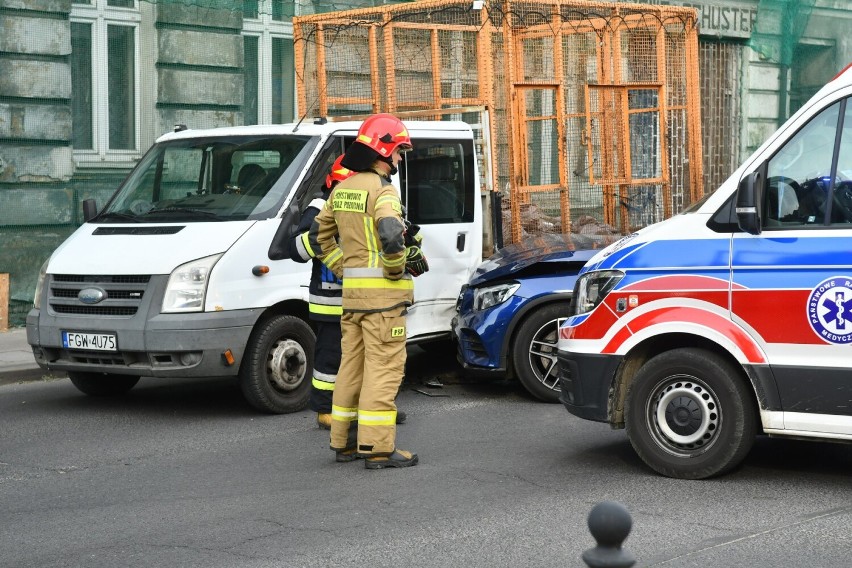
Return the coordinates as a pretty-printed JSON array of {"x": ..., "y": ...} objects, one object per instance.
[
  {"x": 690, "y": 415},
  {"x": 276, "y": 371},
  {"x": 102, "y": 384},
  {"x": 534, "y": 351}
]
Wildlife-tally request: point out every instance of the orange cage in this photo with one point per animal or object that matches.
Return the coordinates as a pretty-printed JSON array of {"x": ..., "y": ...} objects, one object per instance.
[{"x": 585, "y": 111}]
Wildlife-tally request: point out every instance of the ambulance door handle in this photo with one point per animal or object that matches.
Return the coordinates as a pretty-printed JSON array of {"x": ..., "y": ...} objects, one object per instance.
[{"x": 460, "y": 240}]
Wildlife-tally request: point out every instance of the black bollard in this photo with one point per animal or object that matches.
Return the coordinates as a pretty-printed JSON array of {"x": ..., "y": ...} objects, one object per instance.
[{"x": 609, "y": 522}]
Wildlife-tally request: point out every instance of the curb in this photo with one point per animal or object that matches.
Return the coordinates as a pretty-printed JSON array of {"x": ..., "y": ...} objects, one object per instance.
[
  {"x": 29, "y": 375},
  {"x": 17, "y": 364}
]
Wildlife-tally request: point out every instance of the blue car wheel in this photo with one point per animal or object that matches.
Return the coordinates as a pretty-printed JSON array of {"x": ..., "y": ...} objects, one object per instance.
[{"x": 534, "y": 350}]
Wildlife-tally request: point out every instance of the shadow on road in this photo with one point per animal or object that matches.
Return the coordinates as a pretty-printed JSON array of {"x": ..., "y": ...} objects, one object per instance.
[
  {"x": 427, "y": 370},
  {"x": 170, "y": 397}
]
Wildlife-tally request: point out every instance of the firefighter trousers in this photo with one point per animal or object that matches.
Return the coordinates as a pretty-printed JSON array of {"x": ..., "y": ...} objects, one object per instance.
[
  {"x": 371, "y": 370},
  {"x": 326, "y": 365}
]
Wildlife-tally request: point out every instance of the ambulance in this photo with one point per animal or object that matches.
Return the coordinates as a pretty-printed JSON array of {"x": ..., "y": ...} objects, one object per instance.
[{"x": 731, "y": 319}]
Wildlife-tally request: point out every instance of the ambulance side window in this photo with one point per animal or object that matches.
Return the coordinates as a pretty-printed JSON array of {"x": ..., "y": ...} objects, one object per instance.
[{"x": 798, "y": 175}]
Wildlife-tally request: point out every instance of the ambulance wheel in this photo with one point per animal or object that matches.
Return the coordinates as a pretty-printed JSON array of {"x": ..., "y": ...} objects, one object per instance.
[
  {"x": 690, "y": 415},
  {"x": 102, "y": 384},
  {"x": 275, "y": 375},
  {"x": 534, "y": 351}
]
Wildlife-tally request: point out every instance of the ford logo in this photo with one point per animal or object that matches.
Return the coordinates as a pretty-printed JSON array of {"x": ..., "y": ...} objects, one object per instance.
[{"x": 91, "y": 295}]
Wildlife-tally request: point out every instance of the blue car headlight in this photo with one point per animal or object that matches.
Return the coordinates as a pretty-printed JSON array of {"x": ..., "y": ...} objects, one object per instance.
[
  {"x": 489, "y": 296},
  {"x": 592, "y": 287}
]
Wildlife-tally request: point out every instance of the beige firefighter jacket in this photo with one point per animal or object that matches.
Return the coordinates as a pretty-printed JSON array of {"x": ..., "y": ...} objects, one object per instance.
[{"x": 364, "y": 210}]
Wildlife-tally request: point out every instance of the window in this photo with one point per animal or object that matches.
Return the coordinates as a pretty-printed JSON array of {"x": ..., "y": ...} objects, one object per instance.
[
  {"x": 810, "y": 177},
  {"x": 105, "y": 79},
  {"x": 269, "y": 62},
  {"x": 437, "y": 182}
]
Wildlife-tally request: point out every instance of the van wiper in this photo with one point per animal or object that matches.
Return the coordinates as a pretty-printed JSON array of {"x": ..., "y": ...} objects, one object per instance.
[
  {"x": 168, "y": 211},
  {"x": 117, "y": 216}
]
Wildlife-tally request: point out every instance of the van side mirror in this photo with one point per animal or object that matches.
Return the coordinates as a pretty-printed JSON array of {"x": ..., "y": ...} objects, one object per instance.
[
  {"x": 749, "y": 203},
  {"x": 90, "y": 209},
  {"x": 279, "y": 248}
]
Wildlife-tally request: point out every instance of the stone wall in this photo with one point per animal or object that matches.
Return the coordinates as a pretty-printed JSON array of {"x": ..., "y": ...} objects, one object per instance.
[
  {"x": 36, "y": 198},
  {"x": 199, "y": 66},
  {"x": 197, "y": 58}
]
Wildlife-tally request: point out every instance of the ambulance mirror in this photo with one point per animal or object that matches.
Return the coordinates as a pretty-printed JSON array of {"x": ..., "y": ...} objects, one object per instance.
[{"x": 749, "y": 203}]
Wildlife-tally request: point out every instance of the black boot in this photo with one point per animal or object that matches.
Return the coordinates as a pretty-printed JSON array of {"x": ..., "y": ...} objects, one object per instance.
[
  {"x": 399, "y": 458},
  {"x": 350, "y": 452}
]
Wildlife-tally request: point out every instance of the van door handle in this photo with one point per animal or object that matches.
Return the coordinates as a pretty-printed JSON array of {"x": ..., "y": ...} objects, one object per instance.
[{"x": 460, "y": 239}]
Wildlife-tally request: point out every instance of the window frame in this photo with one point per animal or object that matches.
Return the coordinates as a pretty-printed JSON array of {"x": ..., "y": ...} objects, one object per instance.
[
  {"x": 99, "y": 15},
  {"x": 266, "y": 30},
  {"x": 412, "y": 184}
]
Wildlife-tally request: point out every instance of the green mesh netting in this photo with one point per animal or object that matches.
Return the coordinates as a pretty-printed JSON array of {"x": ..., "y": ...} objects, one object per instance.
[
  {"x": 779, "y": 27},
  {"x": 280, "y": 9},
  {"x": 43, "y": 121}
]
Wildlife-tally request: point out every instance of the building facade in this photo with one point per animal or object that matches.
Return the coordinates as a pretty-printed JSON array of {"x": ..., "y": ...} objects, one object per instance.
[
  {"x": 757, "y": 69},
  {"x": 86, "y": 86}
]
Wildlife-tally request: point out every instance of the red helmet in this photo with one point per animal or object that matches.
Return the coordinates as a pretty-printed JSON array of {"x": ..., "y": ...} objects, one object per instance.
[
  {"x": 338, "y": 173},
  {"x": 384, "y": 133}
]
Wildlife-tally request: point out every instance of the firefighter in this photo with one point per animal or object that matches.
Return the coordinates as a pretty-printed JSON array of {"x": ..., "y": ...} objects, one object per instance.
[
  {"x": 325, "y": 306},
  {"x": 377, "y": 268}
]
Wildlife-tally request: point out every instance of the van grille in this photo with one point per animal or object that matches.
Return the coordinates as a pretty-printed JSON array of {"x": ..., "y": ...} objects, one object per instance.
[
  {"x": 93, "y": 311},
  {"x": 123, "y": 294}
]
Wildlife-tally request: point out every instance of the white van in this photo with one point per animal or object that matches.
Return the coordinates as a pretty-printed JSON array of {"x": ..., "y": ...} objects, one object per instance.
[
  {"x": 172, "y": 277},
  {"x": 733, "y": 318}
]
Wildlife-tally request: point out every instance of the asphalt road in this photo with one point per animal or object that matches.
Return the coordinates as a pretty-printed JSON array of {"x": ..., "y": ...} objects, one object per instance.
[{"x": 185, "y": 474}]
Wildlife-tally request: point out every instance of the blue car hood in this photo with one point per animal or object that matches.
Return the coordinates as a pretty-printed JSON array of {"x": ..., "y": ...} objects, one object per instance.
[{"x": 544, "y": 248}]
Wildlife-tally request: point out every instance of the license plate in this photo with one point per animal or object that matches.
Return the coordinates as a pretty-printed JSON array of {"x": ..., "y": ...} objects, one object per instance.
[{"x": 89, "y": 341}]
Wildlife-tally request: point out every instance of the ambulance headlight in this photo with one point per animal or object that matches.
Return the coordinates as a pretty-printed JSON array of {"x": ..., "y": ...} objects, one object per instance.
[
  {"x": 188, "y": 286},
  {"x": 592, "y": 287}
]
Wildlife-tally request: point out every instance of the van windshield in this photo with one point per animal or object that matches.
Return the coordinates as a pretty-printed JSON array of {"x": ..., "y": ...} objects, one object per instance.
[{"x": 211, "y": 179}]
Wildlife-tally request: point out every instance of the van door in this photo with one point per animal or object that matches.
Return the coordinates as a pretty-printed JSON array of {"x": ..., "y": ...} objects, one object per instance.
[
  {"x": 438, "y": 182},
  {"x": 792, "y": 284}
]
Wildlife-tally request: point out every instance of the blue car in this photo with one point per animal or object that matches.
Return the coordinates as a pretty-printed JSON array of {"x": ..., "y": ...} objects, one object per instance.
[{"x": 510, "y": 310}]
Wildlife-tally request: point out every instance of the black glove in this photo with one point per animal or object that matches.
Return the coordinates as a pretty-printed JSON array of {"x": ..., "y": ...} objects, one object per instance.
[
  {"x": 412, "y": 235},
  {"x": 415, "y": 262}
]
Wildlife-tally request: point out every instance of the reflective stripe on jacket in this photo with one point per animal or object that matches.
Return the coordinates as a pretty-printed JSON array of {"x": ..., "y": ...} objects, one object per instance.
[
  {"x": 325, "y": 290},
  {"x": 365, "y": 212}
]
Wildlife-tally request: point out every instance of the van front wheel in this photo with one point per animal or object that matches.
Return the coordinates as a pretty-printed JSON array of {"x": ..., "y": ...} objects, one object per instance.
[
  {"x": 275, "y": 375},
  {"x": 102, "y": 384},
  {"x": 690, "y": 415}
]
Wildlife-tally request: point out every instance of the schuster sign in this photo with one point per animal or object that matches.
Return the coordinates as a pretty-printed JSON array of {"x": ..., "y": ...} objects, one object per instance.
[{"x": 722, "y": 19}]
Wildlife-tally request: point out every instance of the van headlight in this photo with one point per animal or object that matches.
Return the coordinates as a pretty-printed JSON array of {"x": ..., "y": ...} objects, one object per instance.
[
  {"x": 188, "y": 285},
  {"x": 592, "y": 287},
  {"x": 42, "y": 275},
  {"x": 484, "y": 298}
]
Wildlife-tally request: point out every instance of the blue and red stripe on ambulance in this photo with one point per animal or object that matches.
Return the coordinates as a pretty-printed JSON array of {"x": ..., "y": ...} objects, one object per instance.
[{"x": 751, "y": 302}]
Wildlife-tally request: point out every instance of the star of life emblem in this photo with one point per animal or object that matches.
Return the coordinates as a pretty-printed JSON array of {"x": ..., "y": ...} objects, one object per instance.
[{"x": 830, "y": 309}]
